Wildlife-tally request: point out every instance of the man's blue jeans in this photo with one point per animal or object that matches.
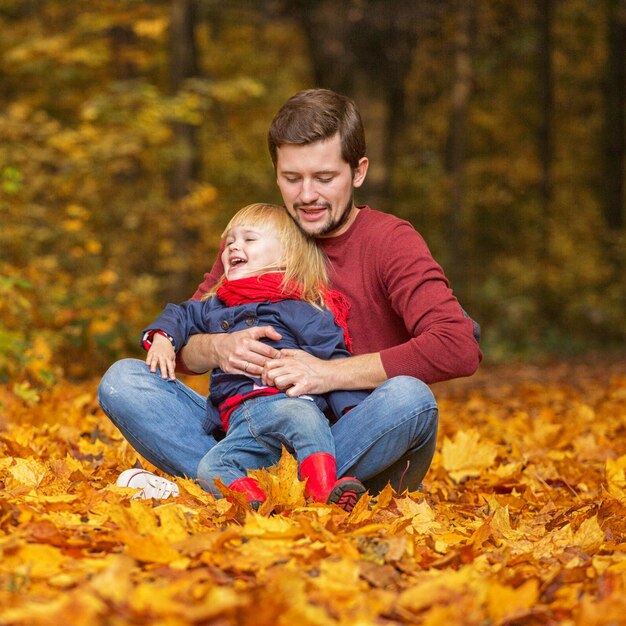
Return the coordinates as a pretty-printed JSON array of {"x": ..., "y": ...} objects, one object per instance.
[
  {"x": 389, "y": 437},
  {"x": 257, "y": 430}
]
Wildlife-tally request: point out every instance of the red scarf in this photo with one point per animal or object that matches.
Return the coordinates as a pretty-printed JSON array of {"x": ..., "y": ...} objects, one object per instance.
[{"x": 268, "y": 287}]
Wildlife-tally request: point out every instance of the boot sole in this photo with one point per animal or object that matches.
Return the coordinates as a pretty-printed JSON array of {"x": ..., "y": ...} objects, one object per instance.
[{"x": 346, "y": 493}]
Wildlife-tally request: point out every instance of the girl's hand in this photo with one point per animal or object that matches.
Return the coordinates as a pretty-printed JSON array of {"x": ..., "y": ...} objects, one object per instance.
[{"x": 163, "y": 356}]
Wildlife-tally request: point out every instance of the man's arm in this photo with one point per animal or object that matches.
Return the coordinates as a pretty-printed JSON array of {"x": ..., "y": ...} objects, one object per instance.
[
  {"x": 240, "y": 352},
  {"x": 198, "y": 356},
  {"x": 440, "y": 343},
  {"x": 322, "y": 364}
]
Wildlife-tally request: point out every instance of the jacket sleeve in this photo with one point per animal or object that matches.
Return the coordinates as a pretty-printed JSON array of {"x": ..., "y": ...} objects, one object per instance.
[
  {"x": 321, "y": 337},
  {"x": 210, "y": 279},
  {"x": 180, "y": 321}
]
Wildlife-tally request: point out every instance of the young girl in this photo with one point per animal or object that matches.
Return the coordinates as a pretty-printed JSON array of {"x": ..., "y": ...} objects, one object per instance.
[{"x": 273, "y": 275}]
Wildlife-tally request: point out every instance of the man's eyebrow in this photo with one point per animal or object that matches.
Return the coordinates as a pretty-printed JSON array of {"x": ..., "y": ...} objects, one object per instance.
[{"x": 318, "y": 173}]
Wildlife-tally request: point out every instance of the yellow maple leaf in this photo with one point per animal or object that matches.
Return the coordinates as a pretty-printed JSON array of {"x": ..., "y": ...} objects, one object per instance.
[
  {"x": 280, "y": 482},
  {"x": 421, "y": 514},
  {"x": 148, "y": 549},
  {"x": 276, "y": 526},
  {"x": 384, "y": 498},
  {"x": 34, "y": 560},
  {"x": 114, "y": 582},
  {"x": 506, "y": 603},
  {"x": 501, "y": 521},
  {"x": 195, "y": 490},
  {"x": 341, "y": 577},
  {"x": 175, "y": 520},
  {"x": 466, "y": 456},
  {"x": 615, "y": 475},
  {"x": 26, "y": 473},
  {"x": 35, "y": 612},
  {"x": 445, "y": 587},
  {"x": 464, "y": 611},
  {"x": 589, "y": 535}
]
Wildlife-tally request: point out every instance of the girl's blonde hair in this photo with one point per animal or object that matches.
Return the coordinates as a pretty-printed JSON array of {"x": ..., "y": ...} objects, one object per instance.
[{"x": 302, "y": 261}]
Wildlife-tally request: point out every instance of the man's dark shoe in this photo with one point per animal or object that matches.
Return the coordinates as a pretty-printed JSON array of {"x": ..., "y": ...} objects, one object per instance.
[{"x": 346, "y": 493}]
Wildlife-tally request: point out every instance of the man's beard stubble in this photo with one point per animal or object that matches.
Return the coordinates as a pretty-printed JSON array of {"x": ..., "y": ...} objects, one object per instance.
[{"x": 333, "y": 224}]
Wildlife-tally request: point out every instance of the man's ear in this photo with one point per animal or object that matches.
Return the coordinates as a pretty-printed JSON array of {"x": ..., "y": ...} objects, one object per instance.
[{"x": 360, "y": 172}]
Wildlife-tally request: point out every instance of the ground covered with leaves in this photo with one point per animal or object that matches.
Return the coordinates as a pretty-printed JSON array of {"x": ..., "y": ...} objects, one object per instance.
[{"x": 522, "y": 521}]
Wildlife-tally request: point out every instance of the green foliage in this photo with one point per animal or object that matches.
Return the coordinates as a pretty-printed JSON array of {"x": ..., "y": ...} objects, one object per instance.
[
  {"x": 91, "y": 241},
  {"x": 15, "y": 311},
  {"x": 89, "y": 236}
]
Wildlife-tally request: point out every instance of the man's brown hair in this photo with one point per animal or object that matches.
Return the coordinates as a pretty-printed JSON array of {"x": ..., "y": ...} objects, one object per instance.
[{"x": 316, "y": 114}]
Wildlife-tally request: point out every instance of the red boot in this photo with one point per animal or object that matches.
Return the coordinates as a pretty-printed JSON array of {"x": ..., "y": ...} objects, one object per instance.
[
  {"x": 320, "y": 470},
  {"x": 249, "y": 486}
]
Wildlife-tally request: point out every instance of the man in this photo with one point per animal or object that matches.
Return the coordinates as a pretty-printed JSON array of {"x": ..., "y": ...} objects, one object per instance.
[{"x": 407, "y": 328}]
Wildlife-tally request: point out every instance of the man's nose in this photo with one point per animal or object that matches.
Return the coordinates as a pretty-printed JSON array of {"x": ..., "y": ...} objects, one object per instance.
[{"x": 308, "y": 193}]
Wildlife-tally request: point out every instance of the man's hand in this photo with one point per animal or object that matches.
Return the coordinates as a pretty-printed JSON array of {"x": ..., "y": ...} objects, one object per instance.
[
  {"x": 163, "y": 356},
  {"x": 240, "y": 352},
  {"x": 297, "y": 373}
]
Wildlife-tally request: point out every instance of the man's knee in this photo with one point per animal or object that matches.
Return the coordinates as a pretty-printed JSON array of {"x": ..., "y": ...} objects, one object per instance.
[
  {"x": 414, "y": 409},
  {"x": 406, "y": 392},
  {"x": 207, "y": 471},
  {"x": 208, "y": 468},
  {"x": 116, "y": 381},
  {"x": 119, "y": 373}
]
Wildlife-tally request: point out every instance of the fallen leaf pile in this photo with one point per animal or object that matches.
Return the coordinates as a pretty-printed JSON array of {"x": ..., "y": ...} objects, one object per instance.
[{"x": 521, "y": 521}]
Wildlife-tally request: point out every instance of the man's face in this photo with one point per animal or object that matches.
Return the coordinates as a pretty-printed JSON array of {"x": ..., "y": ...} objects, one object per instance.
[{"x": 317, "y": 184}]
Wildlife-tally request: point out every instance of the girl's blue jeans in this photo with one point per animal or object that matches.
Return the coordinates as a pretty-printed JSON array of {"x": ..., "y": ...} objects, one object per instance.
[
  {"x": 389, "y": 437},
  {"x": 256, "y": 433}
]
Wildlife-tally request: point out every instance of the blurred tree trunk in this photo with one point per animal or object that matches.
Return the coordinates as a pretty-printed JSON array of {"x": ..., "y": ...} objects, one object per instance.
[
  {"x": 546, "y": 304},
  {"x": 183, "y": 65},
  {"x": 546, "y": 106},
  {"x": 364, "y": 50},
  {"x": 615, "y": 101},
  {"x": 465, "y": 25},
  {"x": 121, "y": 39},
  {"x": 184, "y": 166}
]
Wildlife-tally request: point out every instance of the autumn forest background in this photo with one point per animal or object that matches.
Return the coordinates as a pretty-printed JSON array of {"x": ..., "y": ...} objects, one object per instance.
[{"x": 130, "y": 131}]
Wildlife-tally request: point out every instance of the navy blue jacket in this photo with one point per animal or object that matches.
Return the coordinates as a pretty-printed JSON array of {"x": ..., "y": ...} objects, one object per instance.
[{"x": 301, "y": 325}]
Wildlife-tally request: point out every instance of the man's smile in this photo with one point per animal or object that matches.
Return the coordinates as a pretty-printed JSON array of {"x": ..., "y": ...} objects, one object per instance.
[{"x": 312, "y": 212}]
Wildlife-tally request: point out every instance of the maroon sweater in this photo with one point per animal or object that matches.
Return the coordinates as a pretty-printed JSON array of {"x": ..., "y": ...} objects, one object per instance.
[{"x": 401, "y": 303}]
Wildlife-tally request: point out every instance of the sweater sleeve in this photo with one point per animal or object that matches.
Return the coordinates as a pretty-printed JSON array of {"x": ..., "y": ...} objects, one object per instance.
[
  {"x": 210, "y": 278},
  {"x": 442, "y": 344}
]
